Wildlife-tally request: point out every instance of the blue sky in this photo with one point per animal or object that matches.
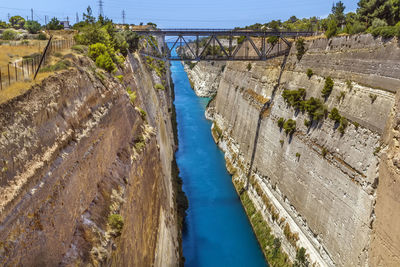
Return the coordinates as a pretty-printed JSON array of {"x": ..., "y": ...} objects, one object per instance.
[{"x": 177, "y": 13}]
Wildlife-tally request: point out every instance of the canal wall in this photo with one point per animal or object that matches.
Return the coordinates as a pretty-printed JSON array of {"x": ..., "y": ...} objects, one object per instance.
[
  {"x": 330, "y": 186},
  {"x": 87, "y": 169}
]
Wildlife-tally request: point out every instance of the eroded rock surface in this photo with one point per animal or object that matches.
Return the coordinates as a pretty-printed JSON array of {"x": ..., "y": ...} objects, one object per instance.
[
  {"x": 318, "y": 183},
  {"x": 75, "y": 150}
]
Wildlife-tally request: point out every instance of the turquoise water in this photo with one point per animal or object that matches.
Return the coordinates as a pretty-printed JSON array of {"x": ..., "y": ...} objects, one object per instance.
[{"x": 217, "y": 231}]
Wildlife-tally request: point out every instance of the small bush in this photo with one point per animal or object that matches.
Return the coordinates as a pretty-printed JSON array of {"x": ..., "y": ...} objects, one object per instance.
[
  {"x": 356, "y": 124},
  {"x": 316, "y": 110},
  {"x": 96, "y": 50},
  {"x": 120, "y": 78},
  {"x": 281, "y": 122},
  {"x": 349, "y": 85},
  {"x": 42, "y": 36},
  {"x": 9, "y": 35},
  {"x": 377, "y": 150},
  {"x": 335, "y": 115},
  {"x": 79, "y": 48},
  {"x": 324, "y": 152},
  {"x": 341, "y": 96},
  {"x": 58, "y": 54},
  {"x": 249, "y": 66},
  {"x": 116, "y": 223},
  {"x": 298, "y": 155},
  {"x": 289, "y": 126},
  {"x": 281, "y": 142},
  {"x": 294, "y": 97},
  {"x": 301, "y": 259},
  {"x": 343, "y": 125},
  {"x": 328, "y": 87},
  {"x": 309, "y": 73},
  {"x": 143, "y": 113},
  {"x": 373, "y": 97},
  {"x": 132, "y": 95},
  {"x": 307, "y": 123},
  {"x": 159, "y": 86},
  {"x": 60, "y": 65},
  {"x": 273, "y": 40},
  {"x": 105, "y": 62},
  {"x": 300, "y": 46}
]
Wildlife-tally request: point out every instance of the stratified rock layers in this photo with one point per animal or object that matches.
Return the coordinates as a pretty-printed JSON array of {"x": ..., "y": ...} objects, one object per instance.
[
  {"x": 75, "y": 150},
  {"x": 320, "y": 183}
]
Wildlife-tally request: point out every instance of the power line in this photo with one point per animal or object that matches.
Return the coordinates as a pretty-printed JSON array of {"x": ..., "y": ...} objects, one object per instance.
[{"x": 101, "y": 8}]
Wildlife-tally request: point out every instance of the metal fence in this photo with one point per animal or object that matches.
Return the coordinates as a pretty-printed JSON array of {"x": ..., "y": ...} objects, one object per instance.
[{"x": 26, "y": 68}]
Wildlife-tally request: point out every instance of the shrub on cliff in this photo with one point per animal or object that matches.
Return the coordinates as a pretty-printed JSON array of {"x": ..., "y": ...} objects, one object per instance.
[
  {"x": 105, "y": 62},
  {"x": 295, "y": 97},
  {"x": 159, "y": 86},
  {"x": 328, "y": 87},
  {"x": 309, "y": 73},
  {"x": 116, "y": 223},
  {"x": 300, "y": 47},
  {"x": 249, "y": 67},
  {"x": 281, "y": 122},
  {"x": 335, "y": 115},
  {"x": 301, "y": 258},
  {"x": 289, "y": 126},
  {"x": 343, "y": 125}
]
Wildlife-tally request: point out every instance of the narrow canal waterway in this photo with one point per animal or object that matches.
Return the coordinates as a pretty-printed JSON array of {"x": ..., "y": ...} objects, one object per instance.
[{"x": 217, "y": 231}]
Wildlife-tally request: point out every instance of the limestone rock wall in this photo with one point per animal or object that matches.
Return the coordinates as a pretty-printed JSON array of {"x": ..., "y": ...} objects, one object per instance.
[
  {"x": 75, "y": 150},
  {"x": 205, "y": 77},
  {"x": 322, "y": 184}
]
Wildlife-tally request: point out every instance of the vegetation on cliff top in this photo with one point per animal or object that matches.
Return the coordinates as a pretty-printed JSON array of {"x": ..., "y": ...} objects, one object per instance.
[
  {"x": 380, "y": 18},
  {"x": 107, "y": 45}
]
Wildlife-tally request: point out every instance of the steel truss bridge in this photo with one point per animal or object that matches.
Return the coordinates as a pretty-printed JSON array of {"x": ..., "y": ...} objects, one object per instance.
[{"x": 218, "y": 44}]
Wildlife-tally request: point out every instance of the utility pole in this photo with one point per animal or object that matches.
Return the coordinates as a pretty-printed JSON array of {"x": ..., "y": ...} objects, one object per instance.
[
  {"x": 101, "y": 8},
  {"x": 123, "y": 17},
  {"x": 32, "y": 14},
  {"x": 45, "y": 19},
  {"x": 77, "y": 17},
  {"x": 8, "y": 16},
  {"x": 68, "y": 20}
]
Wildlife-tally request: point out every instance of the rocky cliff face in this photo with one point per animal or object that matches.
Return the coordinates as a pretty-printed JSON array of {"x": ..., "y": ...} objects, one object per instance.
[
  {"x": 327, "y": 191},
  {"x": 205, "y": 77},
  {"x": 79, "y": 158}
]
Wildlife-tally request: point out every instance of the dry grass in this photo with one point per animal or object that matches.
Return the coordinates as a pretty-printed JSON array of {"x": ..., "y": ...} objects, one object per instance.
[
  {"x": 9, "y": 54},
  {"x": 18, "y": 88}
]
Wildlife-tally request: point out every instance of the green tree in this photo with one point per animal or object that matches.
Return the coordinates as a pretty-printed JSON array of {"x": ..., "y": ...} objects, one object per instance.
[
  {"x": 338, "y": 12},
  {"x": 54, "y": 24},
  {"x": 9, "y": 35},
  {"x": 132, "y": 39},
  {"x": 332, "y": 29},
  {"x": 301, "y": 259},
  {"x": 388, "y": 10},
  {"x": 32, "y": 26},
  {"x": 293, "y": 19},
  {"x": 328, "y": 87},
  {"x": 3, "y": 25},
  {"x": 300, "y": 48},
  {"x": 88, "y": 17},
  {"x": 335, "y": 115},
  {"x": 277, "y": 245},
  {"x": 17, "y": 22}
]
